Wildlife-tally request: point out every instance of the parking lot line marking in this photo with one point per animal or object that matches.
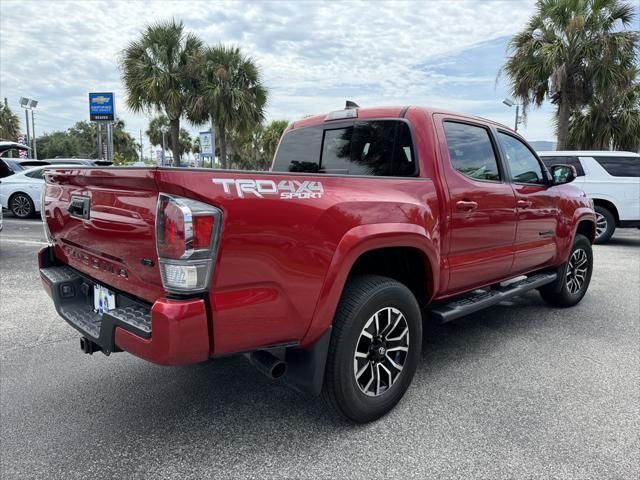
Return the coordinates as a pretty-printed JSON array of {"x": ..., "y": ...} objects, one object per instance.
[{"x": 25, "y": 242}]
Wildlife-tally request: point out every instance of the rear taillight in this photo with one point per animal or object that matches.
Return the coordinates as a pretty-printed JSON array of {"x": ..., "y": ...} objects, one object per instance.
[{"x": 187, "y": 233}]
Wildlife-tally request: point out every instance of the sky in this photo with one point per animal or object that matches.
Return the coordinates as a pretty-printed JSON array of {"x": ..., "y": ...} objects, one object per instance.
[{"x": 312, "y": 55}]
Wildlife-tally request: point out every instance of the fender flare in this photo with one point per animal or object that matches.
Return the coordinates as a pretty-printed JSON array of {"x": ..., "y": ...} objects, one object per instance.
[{"x": 353, "y": 244}]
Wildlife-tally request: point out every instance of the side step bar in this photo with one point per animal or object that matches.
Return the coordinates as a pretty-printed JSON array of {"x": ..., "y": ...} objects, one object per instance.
[{"x": 480, "y": 299}]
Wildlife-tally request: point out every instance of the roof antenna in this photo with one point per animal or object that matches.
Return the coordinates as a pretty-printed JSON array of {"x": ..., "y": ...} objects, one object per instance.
[{"x": 351, "y": 104}]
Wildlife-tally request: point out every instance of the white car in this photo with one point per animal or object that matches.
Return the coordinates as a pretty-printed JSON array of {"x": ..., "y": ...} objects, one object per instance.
[
  {"x": 21, "y": 191},
  {"x": 611, "y": 179}
]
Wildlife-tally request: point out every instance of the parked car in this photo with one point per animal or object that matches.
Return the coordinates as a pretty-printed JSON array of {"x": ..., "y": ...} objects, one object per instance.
[
  {"x": 90, "y": 162},
  {"x": 9, "y": 166},
  {"x": 322, "y": 270},
  {"x": 612, "y": 180},
  {"x": 70, "y": 161},
  {"x": 21, "y": 192}
]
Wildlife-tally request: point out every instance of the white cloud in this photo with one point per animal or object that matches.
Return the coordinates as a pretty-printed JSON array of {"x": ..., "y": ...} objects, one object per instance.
[{"x": 313, "y": 55}]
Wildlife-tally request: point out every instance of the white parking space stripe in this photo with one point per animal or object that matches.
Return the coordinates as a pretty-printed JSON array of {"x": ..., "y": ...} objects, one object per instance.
[{"x": 24, "y": 242}]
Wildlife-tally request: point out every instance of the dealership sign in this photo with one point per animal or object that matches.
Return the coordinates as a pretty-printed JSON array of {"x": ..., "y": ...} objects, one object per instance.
[
  {"x": 206, "y": 144},
  {"x": 102, "y": 107}
]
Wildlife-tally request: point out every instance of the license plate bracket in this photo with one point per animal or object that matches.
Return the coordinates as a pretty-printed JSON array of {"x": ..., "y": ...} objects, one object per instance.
[{"x": 103, "y": 299}]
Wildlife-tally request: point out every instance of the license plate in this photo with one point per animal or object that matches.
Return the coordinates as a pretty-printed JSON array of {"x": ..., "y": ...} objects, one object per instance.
[{"x": 103, "y": 299}]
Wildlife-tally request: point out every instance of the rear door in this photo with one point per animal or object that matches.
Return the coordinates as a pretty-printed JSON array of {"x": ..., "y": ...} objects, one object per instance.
[
  {"x": 537, "y": 205},
  {"x": 113, "y": 240},
  {"x": 482, "y": 208}
]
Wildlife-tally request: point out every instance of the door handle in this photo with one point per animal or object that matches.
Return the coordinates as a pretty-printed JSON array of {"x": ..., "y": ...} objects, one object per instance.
[
  {"x": 524, "y": 203},
  {"x": 466, "y": 205}
]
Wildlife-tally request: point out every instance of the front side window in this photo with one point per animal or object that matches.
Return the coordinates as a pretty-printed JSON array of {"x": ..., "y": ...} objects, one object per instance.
[
  {"x": 523, "y": 164},
  {"x": 471, "y": 151},
  {"x": 620, "y": 166}
]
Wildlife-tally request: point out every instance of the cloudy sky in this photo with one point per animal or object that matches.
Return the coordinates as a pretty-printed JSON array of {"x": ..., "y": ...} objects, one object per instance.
[{"x": 312, "y": 55}]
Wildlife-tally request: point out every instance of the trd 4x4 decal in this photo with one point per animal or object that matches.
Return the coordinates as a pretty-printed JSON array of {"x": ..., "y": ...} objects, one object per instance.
[{"x": 285, "y": 189}]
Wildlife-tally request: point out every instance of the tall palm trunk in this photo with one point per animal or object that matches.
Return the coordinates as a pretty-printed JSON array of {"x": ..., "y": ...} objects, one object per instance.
[
  {"x": 174, "y": 125},
  {"x": 223, "y": 146},
  {"x": 563, "y": 124}
]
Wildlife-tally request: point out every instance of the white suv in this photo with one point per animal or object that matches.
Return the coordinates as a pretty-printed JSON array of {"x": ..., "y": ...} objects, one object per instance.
[{"x": 611, "y": 179}]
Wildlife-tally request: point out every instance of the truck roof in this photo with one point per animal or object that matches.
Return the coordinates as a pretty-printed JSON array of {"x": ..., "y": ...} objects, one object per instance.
[{"x": 389, "y": 112}]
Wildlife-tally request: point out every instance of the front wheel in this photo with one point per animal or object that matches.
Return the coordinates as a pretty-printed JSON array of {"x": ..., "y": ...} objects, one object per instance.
[
  {"x": 573, "y": 277},
  {"x": 374, "y": 349}
]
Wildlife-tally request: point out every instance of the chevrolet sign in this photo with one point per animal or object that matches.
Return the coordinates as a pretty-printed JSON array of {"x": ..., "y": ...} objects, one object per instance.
[{"x": 101, "y": 107}]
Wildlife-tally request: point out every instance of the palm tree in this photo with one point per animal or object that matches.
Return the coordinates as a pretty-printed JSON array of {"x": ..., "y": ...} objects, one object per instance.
[
  {"x": 9, "y": 123},
  {"x": 229, "y": 93},
  {"x": 568, "y": 50},
  {"x": 271, "y": 137},
  {"x": 157, "y": 71},
  {"x": 609, "y": 122},
  {"x": 154, "y": 132}
]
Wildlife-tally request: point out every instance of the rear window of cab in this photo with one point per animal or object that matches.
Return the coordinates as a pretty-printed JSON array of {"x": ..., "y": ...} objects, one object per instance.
[{"x": 366, "y": 148}]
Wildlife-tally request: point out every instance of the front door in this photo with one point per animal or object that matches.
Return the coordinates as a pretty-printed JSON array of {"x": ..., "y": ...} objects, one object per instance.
[
  {"x": 537, "y": 204},
  {"x": 482, "y": 206}
]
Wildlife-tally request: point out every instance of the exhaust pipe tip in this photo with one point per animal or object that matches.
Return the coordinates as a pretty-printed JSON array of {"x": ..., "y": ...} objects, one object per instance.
[{"x": 268, "y": 364}]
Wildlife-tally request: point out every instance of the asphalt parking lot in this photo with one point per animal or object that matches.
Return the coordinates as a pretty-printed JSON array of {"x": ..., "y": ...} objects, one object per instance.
[{"x": 518, "y": 391}]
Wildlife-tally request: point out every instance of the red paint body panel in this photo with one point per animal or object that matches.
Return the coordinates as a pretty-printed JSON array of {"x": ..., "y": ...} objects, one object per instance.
[{"x": 282, "y": 263}]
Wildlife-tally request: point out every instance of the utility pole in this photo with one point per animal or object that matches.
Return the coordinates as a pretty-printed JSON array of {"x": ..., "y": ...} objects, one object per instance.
[
  {"x": 163, "y": 129},
  {"x": 141, "y": 149}
]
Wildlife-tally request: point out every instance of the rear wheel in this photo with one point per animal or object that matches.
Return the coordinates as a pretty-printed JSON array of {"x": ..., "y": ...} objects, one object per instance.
[
  {"x": 605, "y": 224},
  {"x": 573, "y": 278},
  {"x": 374, "y": 350},
  {"x": 21, "y": 205}
]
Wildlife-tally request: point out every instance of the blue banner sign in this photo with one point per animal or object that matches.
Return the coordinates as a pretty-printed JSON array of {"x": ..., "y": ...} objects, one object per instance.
[{"x": 102, "y": 107}]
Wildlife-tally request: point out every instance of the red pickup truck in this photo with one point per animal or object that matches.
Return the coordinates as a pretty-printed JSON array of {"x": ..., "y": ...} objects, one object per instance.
[{"x": 321, "y": 270}]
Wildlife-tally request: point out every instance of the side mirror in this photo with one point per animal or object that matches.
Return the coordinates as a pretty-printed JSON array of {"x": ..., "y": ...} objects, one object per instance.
[{"x": 561, "y": 174}]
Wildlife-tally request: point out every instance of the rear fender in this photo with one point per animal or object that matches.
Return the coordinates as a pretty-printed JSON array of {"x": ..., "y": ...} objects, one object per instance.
[{"x": 354, "y": 243}]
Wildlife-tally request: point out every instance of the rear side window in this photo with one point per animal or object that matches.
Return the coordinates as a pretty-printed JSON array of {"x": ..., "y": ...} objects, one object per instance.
[
  {"x": 374, "y": 148},
  {"x": 35, "y": 174},
  {"x": 573, "y": 161},
  {"x": 620, "y": 166},
  {"x": 471, "y": 151}
]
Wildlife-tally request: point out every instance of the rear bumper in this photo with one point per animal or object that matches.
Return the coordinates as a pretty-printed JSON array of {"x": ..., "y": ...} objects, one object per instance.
[{"x": 169, "y": 332}]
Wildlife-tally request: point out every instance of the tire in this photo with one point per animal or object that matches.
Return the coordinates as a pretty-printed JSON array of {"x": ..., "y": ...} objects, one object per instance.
[
  {"x": 352, "y": 353},
  {"x": 605, "y": 225},
  {"x": 573, "y": 277},
  {"x": 21, "y": 205}
]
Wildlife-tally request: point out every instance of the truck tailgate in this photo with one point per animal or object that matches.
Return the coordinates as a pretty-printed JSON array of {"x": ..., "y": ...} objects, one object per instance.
[{"x": 102, "y": 223}]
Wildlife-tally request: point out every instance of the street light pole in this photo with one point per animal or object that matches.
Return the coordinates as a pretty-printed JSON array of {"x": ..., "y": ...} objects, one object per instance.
[
  {"x": 33, "y": 133},
  {"x": 26, "y": 120},
  {"x": 30, "y": 104},
  {"x": 510, "y": 103}
]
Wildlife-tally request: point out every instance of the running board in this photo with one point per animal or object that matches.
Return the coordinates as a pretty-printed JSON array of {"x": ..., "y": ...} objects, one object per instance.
[{"x": 480, "y": 299}]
